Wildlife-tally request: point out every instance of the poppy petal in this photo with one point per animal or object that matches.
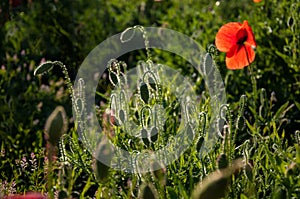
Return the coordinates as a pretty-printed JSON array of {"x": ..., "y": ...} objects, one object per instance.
[
  {"x": 250, "y": 36},
  {"x": 239, "y": 57},
  {"x": 226, "y": 36}
]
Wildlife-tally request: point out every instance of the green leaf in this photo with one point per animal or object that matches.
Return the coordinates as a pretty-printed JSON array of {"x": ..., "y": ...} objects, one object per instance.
[
  {"x": 297, "y": 105},
  {"x": 171, "y": 193},
  {"x": 242, "y": 196},
  {"x": 298, "y": 154},
  {"x": 252, "y": 128},
  {"x": 281, "y": 111},
  {"x": 87, "y": 186},
  {"x": 102, "y": 95}
]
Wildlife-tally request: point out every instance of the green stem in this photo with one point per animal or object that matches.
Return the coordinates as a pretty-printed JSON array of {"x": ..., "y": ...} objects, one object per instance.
[
  {"x": 254, "y": 88},
  {"x": 255, "y": 94}
]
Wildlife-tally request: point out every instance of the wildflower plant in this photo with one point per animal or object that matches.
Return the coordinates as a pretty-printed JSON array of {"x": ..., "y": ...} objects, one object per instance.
[
  {"x": 143, "y": 129},
  {"x": 135, "y": 125}
]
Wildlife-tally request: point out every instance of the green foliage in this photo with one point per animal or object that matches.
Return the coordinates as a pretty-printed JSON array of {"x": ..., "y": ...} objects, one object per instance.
[{"x": 261, "y": 118}]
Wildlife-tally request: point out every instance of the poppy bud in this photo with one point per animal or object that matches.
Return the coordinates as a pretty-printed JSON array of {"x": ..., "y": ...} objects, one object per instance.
[
  {"x": 222, "y": 161},
  {"x": 148, "y": 191},
  {"x": 279, "y": 193},
  {"x": 152, "y": 83},
  {"x": 159, "y": 174},
  {"x": 215, "y": 185},
  {"x": 101, "y": 169},
  {"x": 113, "y": 78},
  {"x": 154, "y": 134},
  {"x": 241, "y": 123},
  {"x": 248, "y": 171},
  {"x": 190, "y": 133},
  {"x": 44, "y": 68},
  {"x": 144, "y": 92},
  {"x": 122, "y": 115},
  {"x": 199, "y": 143},
  {"x": 293, "y": 169},
  {"x": 207, "y": 64},
  {"x": 144, "y": 134},
  {"x": 56, "y": 125}
]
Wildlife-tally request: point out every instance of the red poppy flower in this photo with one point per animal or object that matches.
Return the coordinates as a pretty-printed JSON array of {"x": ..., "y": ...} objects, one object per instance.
[
  {"x": 15, "y": 3},
  {"x": 31, "y": 195},
  {"x": 238, "y": 42}
]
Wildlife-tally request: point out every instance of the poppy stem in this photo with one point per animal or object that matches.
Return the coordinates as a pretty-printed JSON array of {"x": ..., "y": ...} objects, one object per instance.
[
  {"x": 254, "y": 86},
  {"x": 255, "y": 96}
]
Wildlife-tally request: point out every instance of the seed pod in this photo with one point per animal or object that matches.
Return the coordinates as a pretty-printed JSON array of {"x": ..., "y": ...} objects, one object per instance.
[
  {"x": 144, "y": 92},
  {"x": 44, "y": 68},
  {"x": 154, "y": 134},
  {"x": 56, "y": 125}
]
